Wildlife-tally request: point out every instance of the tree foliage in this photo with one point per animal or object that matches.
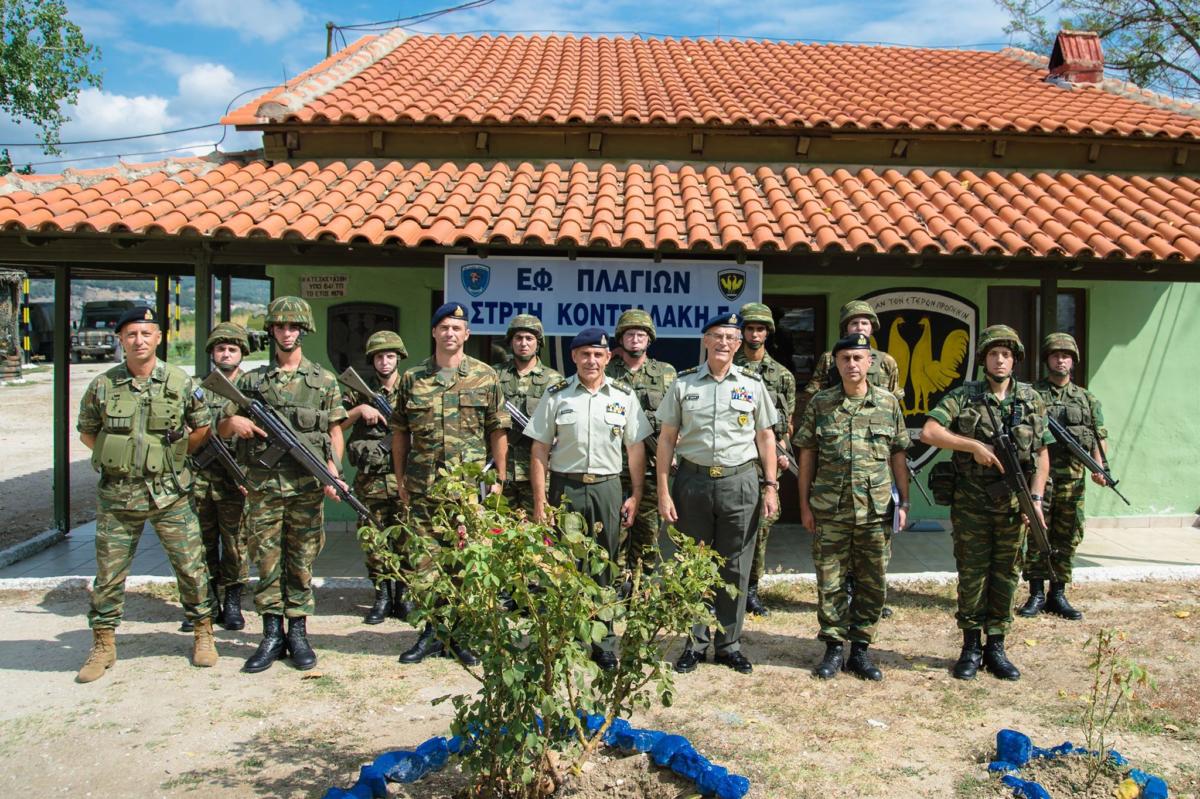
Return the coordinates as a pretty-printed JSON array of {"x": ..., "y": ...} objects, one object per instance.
[
  {"x": 44, "y": 61},
  {"x": 1155, "y": 43}
]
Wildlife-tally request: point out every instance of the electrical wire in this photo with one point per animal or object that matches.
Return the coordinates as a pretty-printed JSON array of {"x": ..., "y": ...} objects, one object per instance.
[
  {"x": 116, "y": 138},
  {"x": 426, "y": 16}
]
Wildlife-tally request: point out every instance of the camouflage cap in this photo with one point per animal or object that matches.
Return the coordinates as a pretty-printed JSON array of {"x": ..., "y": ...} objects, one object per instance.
[
  {"x": 526, "y": 322},
  {"x": 858, "y": 308},
  {"x": 385, "y": 341},
  {"x": 994, "y": 335},
  {"x": 635, "y": 319},
  {"x": 1060, "y": 342},
  {"x": 758, "y": 313},
  {"x": 229, "y": 333},
  {"x": 290, "y": 310}
]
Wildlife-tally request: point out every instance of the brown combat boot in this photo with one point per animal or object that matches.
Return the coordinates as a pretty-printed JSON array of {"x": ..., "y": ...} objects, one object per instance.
[
  {"x": 204, "y": 648},
  {"x": 103, "y": 655}
]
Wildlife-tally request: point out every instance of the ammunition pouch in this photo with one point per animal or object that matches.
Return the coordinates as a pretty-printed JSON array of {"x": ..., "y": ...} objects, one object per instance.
[
  {"x": 371, "y": 455},
  {"x": 942, "y": 478}
]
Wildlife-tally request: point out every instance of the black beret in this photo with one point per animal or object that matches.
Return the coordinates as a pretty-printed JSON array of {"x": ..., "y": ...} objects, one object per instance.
[
  {"x": 139, "y": 314},
  {"x": 590, "y": 337},
  {"x": 730, "y": 320},
  {"x": 455, "y": 310},
  {"x": 854, "y": 341}
]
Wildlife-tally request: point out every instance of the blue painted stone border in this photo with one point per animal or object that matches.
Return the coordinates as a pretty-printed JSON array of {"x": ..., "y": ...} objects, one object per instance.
[{"x": 1015, "y": 749}]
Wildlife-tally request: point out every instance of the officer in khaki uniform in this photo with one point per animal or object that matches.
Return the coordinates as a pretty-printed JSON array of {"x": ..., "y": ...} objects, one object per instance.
[
  {"x": 590, "y": 420},
  {"x": 719, "y": 419},
  {"x": 286, "y": 504},
  {"x": 370, "y": 453},
  {"x": 851, "y": 441},
  {"x": 650, "y": 379},
  {"x": 524, "y": 381},
  {"x": 140, "y": 419},
  {"x": 989, "y": 533},
  {"x": 757, "y": 324}
]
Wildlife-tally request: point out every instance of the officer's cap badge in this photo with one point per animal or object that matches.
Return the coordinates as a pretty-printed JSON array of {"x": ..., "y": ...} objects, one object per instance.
[
  {"x": 149, "y": 316},
  {"x": 604, "y": 341},
  {"x": 458, "y": 311}
]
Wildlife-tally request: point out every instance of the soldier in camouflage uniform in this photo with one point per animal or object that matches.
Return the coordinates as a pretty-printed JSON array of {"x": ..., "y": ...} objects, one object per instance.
[
  {"x": 448, "y": 411},
  {"x": 851, "y": 441},
  {"x": 1077, "y": 410},
  {"x": 286, "y": 516},
  {"x": 989, "y": 534},
  {"x": 650, "y": 381},
  {"x": 523, "y": 381},
  {"x": 370, "y": 453},
  {"x": 140, "y": 419},
  {"x": 217, "y": 497},
  {"x": 757, "y": 324}
]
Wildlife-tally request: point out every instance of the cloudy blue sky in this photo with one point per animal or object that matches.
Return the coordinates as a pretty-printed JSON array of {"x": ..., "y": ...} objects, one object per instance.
[{"x": 178, "y": 63}]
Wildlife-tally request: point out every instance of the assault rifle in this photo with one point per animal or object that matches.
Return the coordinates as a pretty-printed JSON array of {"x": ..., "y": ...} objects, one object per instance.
[
  {"x": 213, "y": 451},
  {"x": 282, "y": 440},
  {"x": 353, "y": 381},
  {"x": 783, "y": 449},
  {"x": 516, "y": 414},
  {"x": 1014, "y": 482},
  {"x": 912, "y": 480},
  {"x": 1083, "y": 456}
]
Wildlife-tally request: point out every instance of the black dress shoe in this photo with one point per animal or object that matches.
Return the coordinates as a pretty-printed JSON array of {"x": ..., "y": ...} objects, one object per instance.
[
  {"x": 690, "y": 659},
  {"x": 427, "y": 645},
  {"x": 736, "y": 661},
  {"x": 302, "y": 655},
  {"x": 463, "y": 654}
]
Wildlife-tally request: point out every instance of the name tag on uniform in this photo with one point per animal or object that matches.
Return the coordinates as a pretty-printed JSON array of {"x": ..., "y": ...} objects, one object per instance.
[{"x": 565, "y": 416}]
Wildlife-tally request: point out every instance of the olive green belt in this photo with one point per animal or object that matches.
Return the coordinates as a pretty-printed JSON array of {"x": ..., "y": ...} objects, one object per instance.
[{"x": 716, "y": 471}]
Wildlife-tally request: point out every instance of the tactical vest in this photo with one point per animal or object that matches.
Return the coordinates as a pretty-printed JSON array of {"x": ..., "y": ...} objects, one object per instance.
[
  {"x": 370, "y": 447},
  {"x": 132, "y": 442},
  {"x": 1072, "y": 410},
  {"x": 774, "y": 376},
  {"x": 300, "y": 406},
  {"x": 973, "y": 421},
  {"x": 649, "y": 385},
  {"x": 526, "y": 400}
]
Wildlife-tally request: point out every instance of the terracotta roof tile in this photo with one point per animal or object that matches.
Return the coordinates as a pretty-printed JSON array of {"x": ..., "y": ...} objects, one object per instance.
[
  {"x": 565, "y": 80},
  {"x": 683, "y": 208}
]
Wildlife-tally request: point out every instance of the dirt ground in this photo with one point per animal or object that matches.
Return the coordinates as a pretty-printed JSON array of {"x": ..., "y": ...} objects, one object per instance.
[{"x": 156, "y": 726}]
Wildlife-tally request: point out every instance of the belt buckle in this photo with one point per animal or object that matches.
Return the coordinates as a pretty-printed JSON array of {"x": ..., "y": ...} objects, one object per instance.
[
  {"x": 589, "y": 478},
  {"x": 716, "y": 471}
]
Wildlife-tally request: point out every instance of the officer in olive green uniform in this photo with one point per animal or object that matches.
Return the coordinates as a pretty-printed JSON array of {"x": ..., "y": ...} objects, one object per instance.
[
  {"x": 590, "y": 420},
  {"x": 370, "y": 453},
  {"x": 989, "y": 533},
  {"x": 218, "y": 499},
  {"x": 857, "y": 316},
  {"x": 140, "y": 419},
  {"x": 719, "y": 419},
  {"x": 523, "y": 380},
  {"x": 286, "y": 505},
  {"x": 757, "y": 324},
  {"x": 851, "y": 441},
  {"x": 1077, "y": 410},
  {"x": 650, "y": 381},
  {"x": 449, "y": 411}
]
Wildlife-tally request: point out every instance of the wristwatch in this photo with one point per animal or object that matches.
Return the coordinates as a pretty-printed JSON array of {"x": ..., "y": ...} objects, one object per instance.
[
  {"x": 772, "y": 483},
  {"x": 905, "y": 505},
  {"x": 1036, "y": 497}
]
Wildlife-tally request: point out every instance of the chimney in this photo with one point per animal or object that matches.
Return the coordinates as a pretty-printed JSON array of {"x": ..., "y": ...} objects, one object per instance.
[{"x": 1077, "y": 60}]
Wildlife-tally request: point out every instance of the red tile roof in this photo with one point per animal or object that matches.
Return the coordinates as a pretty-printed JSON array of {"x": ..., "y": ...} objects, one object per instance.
[
  {"x": 700, "y": 209},
  {"x": 562, "y": 80}
]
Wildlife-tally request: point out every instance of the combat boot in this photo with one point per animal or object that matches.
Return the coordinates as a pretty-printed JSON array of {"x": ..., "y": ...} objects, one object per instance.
[
  {"x": 754, "y": 603},
  {"x": 463, "y": 653},
  {"x": 427, "y": 645},
  {"x": 1057, "y": 603},
  {"x": 231, "y": 611},
  {"x": 402, "y": 605},
  {"x": 831, "y": 664},
  {"x": 204, "y": 648},
  {"x": 995, "y": 661},
  {"x": 970, "y": 658},
  {"x": 302, "y": 654},
  {"x": 383, "y": 604},
  {"x": 271, "y": 648},
  {"x": 186, "y": 626},
  {"x": 1037, "y": 599},
  {"x": 102, "y": 656},
  {"x": 859, "y": 663}
]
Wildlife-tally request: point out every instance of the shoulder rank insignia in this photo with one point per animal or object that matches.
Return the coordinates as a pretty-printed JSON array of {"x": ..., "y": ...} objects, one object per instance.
[
  {"x": 557, "y": 387},
  {"x": 690, "y": 371}
]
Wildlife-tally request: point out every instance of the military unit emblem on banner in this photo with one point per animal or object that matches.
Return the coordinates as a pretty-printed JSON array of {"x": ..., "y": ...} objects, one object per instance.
[
  {"x": 732, "y": 283},
  {"x": 475, "y": 278}
]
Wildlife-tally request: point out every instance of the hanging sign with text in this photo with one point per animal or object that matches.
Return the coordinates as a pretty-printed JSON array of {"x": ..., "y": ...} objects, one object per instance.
[{"x": 315, "y": 287}]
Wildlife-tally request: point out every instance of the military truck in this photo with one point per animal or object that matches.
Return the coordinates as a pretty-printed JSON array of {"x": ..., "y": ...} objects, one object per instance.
[{"x": 96, "y": 335}]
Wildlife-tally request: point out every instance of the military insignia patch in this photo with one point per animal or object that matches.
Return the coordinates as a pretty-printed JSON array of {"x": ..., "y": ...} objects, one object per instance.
[
  {"x": 732, "y": 283},
  {"x": 475, "y": 279},
  {"x": 741, "y": 393},
  {"x": 743, "y": 420},
  {"x": 615, "y": 407}
]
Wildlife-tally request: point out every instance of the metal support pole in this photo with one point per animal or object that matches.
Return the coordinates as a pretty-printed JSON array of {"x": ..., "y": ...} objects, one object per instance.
[
  {"x": 203, "y": 309},
  {"x": 62, "y": 399},
  {"x": 226, "y": 297},
  {"x": 162, "y": 302}
]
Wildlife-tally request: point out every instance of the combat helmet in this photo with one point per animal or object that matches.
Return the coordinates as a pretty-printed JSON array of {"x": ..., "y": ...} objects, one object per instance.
[
  {"x": 385, "y": 341},
  {"x": 758, "y": 313},
  {"x": 635, "y": 319},
  {"x": 1059, "y": 342},
  {"x": 994, "y": 335},
  {"x": 229, "y": 333},
  {"x": 290, "y": 310},
  {"x": 858, "y": 308},
  {"x": 527, "y": 322}
]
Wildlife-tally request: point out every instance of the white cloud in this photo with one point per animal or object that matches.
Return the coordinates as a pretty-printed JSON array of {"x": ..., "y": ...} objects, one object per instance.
[
  {"x": 207, "y": 86},
  {"x": 100, "y": 114},
  {"x": 268, "y": 20}
]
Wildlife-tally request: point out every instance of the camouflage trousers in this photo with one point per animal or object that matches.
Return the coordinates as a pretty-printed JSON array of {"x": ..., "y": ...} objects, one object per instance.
[
  {"x": 519, "y": 494},
  {"x": 1064, "y": 526},
  {"x": 987, "y": 552},
  {"x": 224, "y": 535},
  {"x": 759, "y": 565},
  {"x": 117, "y": 534},
  {"x": 859, "y": 549},
  {"x": 641, "y": 539},
  {"x": 284, "y": 537},
  {"x": 385, "y": 507}
]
